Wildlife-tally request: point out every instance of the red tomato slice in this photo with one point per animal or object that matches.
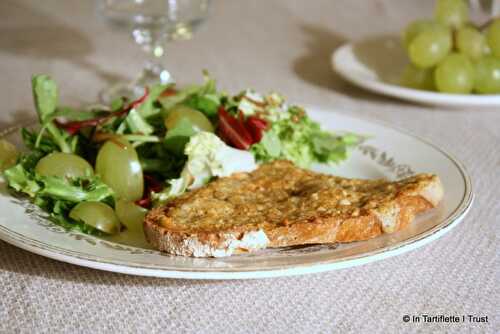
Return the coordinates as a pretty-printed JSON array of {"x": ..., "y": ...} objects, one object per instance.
[{"x": 233, "y": 130}]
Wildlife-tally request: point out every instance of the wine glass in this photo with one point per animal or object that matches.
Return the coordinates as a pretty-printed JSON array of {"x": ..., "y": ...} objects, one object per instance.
[{"x": 152, "y": 24}]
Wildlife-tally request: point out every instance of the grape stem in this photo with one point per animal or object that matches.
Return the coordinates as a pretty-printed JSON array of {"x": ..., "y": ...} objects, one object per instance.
[{"x": 454, "y": 39}]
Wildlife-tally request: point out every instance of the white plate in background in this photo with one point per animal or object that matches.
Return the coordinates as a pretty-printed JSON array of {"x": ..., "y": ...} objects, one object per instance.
[{"x": 376, "y": 65}]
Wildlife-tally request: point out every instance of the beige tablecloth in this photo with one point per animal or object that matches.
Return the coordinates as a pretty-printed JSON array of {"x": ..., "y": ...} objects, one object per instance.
[{"x": 281, "y": 45}]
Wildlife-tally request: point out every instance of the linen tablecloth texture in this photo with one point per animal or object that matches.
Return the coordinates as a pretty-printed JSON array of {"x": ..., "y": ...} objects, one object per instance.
[{"x": 268, "y": 45}]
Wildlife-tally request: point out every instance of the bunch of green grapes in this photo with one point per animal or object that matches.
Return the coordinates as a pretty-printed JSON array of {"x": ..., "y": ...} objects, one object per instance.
[{"x": 451, "y": 55}]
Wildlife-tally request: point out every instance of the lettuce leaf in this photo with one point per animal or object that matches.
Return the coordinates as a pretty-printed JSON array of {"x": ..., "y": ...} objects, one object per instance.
[
  {"x": 45, "y": 95},
  {"x": 294, "y": 136},
  {"x": 177, "y": 138},
  {"x": 204, "y": 98}
]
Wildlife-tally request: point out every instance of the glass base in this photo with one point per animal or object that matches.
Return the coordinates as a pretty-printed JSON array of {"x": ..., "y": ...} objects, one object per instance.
[{"x": 151, "y": 74}]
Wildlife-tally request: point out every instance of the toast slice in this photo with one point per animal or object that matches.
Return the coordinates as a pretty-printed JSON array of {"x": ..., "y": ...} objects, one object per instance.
[{"x": 282, "y": 205}]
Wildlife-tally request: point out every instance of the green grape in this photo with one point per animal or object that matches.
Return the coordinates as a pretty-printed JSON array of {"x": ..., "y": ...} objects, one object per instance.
[
  {"x": 471, "y": 42},
  {"x": 418, "y": 78},
  {"x": 130, "y": 214},
  {"x": 452, "y": 13},
  {"x": 416, "y": 27},
  {"x": 455, "y": 74},
  {"x": 493, "y": 37},
  {"x": 118, "y": 165},
  {"x": 8, "y": 154},
  {"x": 428, "y": 48},
  {"x": 97, "y": 215},
  {"x": 197, "y": 118},
  {"x": 488, "y": 75},
  {"x": 64, "y": 165}
]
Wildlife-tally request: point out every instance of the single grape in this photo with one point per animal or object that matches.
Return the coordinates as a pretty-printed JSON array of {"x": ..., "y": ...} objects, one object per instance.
[
  {"x": 64, "y": 165},
  {"x": 493, "y": 37},
  {"x": 487, "y": 80},
  {"x": 8, "y": 155},
  {"x": 418, "y": 78},
  {"x": 130, "y": 214},
  {"x": 471, "y": 42},
  {"x": 118, "y": 165},
  {"x": 416, "y": 27},
  {"x": 97, "y": 215},
  {"x": 197, "y": 118},
  {"x": 455, "y": 74},
  {"x": 428, "y": 48},
  {"x": 452, "y": 13}
]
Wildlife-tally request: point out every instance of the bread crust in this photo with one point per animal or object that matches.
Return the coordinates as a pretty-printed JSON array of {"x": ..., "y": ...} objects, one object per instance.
[{"x": 262, "y": 209}]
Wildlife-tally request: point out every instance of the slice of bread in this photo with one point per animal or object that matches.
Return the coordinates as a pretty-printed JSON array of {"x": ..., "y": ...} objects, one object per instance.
[{"x": 282, "y": 205}]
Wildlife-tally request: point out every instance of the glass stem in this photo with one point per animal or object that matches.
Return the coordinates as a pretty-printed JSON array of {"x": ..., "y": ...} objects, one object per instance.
[{"x": 153, "y": 71}]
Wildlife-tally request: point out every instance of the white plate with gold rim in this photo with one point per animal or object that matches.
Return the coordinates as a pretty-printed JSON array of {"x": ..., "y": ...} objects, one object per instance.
[
  {"x": 390, "y": 153},
  {"x": 376, "y": 64}
]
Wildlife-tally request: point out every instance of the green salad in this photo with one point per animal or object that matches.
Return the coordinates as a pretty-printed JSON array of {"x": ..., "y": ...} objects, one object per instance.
[{"x": 100, "y": 170}]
